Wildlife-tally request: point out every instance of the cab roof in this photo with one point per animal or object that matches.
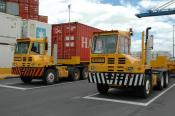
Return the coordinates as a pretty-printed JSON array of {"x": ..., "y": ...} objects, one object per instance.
[
  {"x": 32, "y": 40},
  {"x": 124, "y": 33}
]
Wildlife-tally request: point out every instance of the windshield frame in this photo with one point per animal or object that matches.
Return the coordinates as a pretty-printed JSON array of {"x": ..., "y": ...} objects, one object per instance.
[
  {"x": 40, "y": 49},
  {"x": 22, "y": 48},
  {"x": 113, "y": 36}
]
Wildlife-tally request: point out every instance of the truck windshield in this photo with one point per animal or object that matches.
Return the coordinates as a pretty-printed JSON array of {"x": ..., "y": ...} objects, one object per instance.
[
  {"x": 104, "y": 44},
  {"x": 22, "y": 47}
]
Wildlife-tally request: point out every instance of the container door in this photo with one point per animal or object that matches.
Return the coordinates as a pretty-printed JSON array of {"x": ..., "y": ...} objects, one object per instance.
[
  {"x": 70, "y": 40},
  {"x": 57, "y": 35}
]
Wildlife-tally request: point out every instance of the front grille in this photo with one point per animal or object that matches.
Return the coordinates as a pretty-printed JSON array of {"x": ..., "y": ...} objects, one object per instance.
[
  {"x": 121, "y": 60},
  {"x": 17, "y": 59},
  {"x": 24, "y": 59},
  {"x": 110, "y": 68},
  {"x": 111, "y": 60},
  {"x": 120, "y": 66},
  {"x": 30, "y": 59}
]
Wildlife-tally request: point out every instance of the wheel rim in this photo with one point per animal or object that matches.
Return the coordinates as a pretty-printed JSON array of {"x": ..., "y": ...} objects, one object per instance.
[
  {"x": 162, "y": 81},
  {"x": 50, "y": 77},
  {"x": 148, "y": 86},
  {"x": 85, "y": 74},
  {"x": 167, "y": 79},
  {"x": 76, "y": 76}
]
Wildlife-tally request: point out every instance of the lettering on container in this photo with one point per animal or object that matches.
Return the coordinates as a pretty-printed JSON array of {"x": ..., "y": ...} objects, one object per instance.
[{"x": 84, "y": 42}]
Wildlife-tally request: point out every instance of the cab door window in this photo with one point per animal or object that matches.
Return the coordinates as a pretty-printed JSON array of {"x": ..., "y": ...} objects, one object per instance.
[
  {"x": 37, "y": 48},
  {"x": 123, "y": 45}
]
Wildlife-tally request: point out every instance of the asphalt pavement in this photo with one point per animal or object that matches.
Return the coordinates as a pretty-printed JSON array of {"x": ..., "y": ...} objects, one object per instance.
[{"x": 80, "y": 99}]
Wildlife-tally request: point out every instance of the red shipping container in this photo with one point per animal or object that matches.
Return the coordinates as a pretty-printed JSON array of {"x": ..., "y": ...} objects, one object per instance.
[
  {"x": 33, "y": 9},
  {"x": 16, "y": 1},
  {"x": 33, "y": 17},
  {"x": 73, "y": 40},
  {"x": 34, "y": 2},
  {"x": 24, "y": 16},
  {"x": 23, "y": 8},
  {"x": 43, "y": 18},
  {"x": 24, "y": 1}
]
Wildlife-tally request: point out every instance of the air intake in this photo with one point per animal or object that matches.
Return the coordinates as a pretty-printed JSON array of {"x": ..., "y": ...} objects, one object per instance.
[
  {"x": 121, "y": 60},
  {"x": 111, "y": 60}
]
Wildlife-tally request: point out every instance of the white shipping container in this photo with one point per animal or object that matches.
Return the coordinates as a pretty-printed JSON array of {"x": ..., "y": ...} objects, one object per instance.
[
  {"x": 7, "y": 53},
  {"x": 36, "y": 29},
  {"x": 10, "y": 28}
]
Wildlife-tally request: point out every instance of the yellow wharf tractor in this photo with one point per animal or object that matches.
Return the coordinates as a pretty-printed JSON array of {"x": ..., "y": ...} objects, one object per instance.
[
  {"x": 112, "y": 66},
  {"x": 31, "y": 61}
]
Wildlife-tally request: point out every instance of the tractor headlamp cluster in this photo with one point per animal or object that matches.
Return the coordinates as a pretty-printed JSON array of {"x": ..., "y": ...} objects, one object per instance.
[
  {"x": 93, "y": 68},
  {"x": 130, "y": 69}
]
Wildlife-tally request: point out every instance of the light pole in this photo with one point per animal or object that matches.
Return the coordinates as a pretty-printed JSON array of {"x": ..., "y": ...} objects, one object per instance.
[
  {"x": 173, "y": 41},
  {"x": 69, "y": 6}
]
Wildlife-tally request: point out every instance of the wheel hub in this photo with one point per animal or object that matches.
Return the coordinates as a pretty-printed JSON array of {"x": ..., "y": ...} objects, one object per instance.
[
  {"x": 167, "y": 81},
  {"x": 51, "y": 77},
  {"x": 148, "y": 87},
  {"x": 76, "y": 76},
  {"x": 162, "y": 81},
  {"x": 85, "y": 74}
]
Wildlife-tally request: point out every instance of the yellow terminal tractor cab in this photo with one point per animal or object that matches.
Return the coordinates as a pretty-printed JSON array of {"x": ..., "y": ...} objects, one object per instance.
[
  {"x": 112, "y": 66},
  {"x": 31, "y": 61}
]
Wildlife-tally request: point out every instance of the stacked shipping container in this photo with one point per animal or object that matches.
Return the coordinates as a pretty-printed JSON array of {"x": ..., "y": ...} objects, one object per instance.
[
  {"x": 26, "y": 9},
  {"x": 36, "y": 29},
  {"x": 29, "y": 9},
  {"x": 14, "y": 27},
  {"x": 2, "y": 5},
  {"x": 11, "y": 29}
]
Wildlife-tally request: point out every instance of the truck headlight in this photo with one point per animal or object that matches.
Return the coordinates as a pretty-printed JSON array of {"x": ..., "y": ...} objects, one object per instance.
[
  {"x": 92, "y": 68},
  {"x": 34, "y": 65},
  {"x": 130, "y": 69}
]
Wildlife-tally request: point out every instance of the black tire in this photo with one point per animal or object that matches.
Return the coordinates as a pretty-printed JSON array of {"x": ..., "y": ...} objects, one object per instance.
[
  {"x": 146, "y": 89},
  {"x": 166, "y": 79},
  {"x": 74, "y": 75},
  {"x": 102, "y": 88},
  {"x": 160, "y": 82},
  {"x": 26, "y": 80},
  {"x": 84, "y": 74},
  {"x": 50, "y": 77}
]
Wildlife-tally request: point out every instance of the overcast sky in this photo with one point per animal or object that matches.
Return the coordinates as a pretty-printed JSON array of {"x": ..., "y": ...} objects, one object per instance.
[{"x": 115, "y": 14}]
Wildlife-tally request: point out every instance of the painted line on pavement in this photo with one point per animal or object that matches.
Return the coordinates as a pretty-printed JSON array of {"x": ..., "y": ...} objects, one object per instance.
[
  {"x": 13, "y": 87},
  {"x": 129, "y": 102},
  {"x": 113, "y": 100},
  {"x": 50, "y": 85},
  {"x": 10, "y": 85},
  {"x": 160, "y": 94}
]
